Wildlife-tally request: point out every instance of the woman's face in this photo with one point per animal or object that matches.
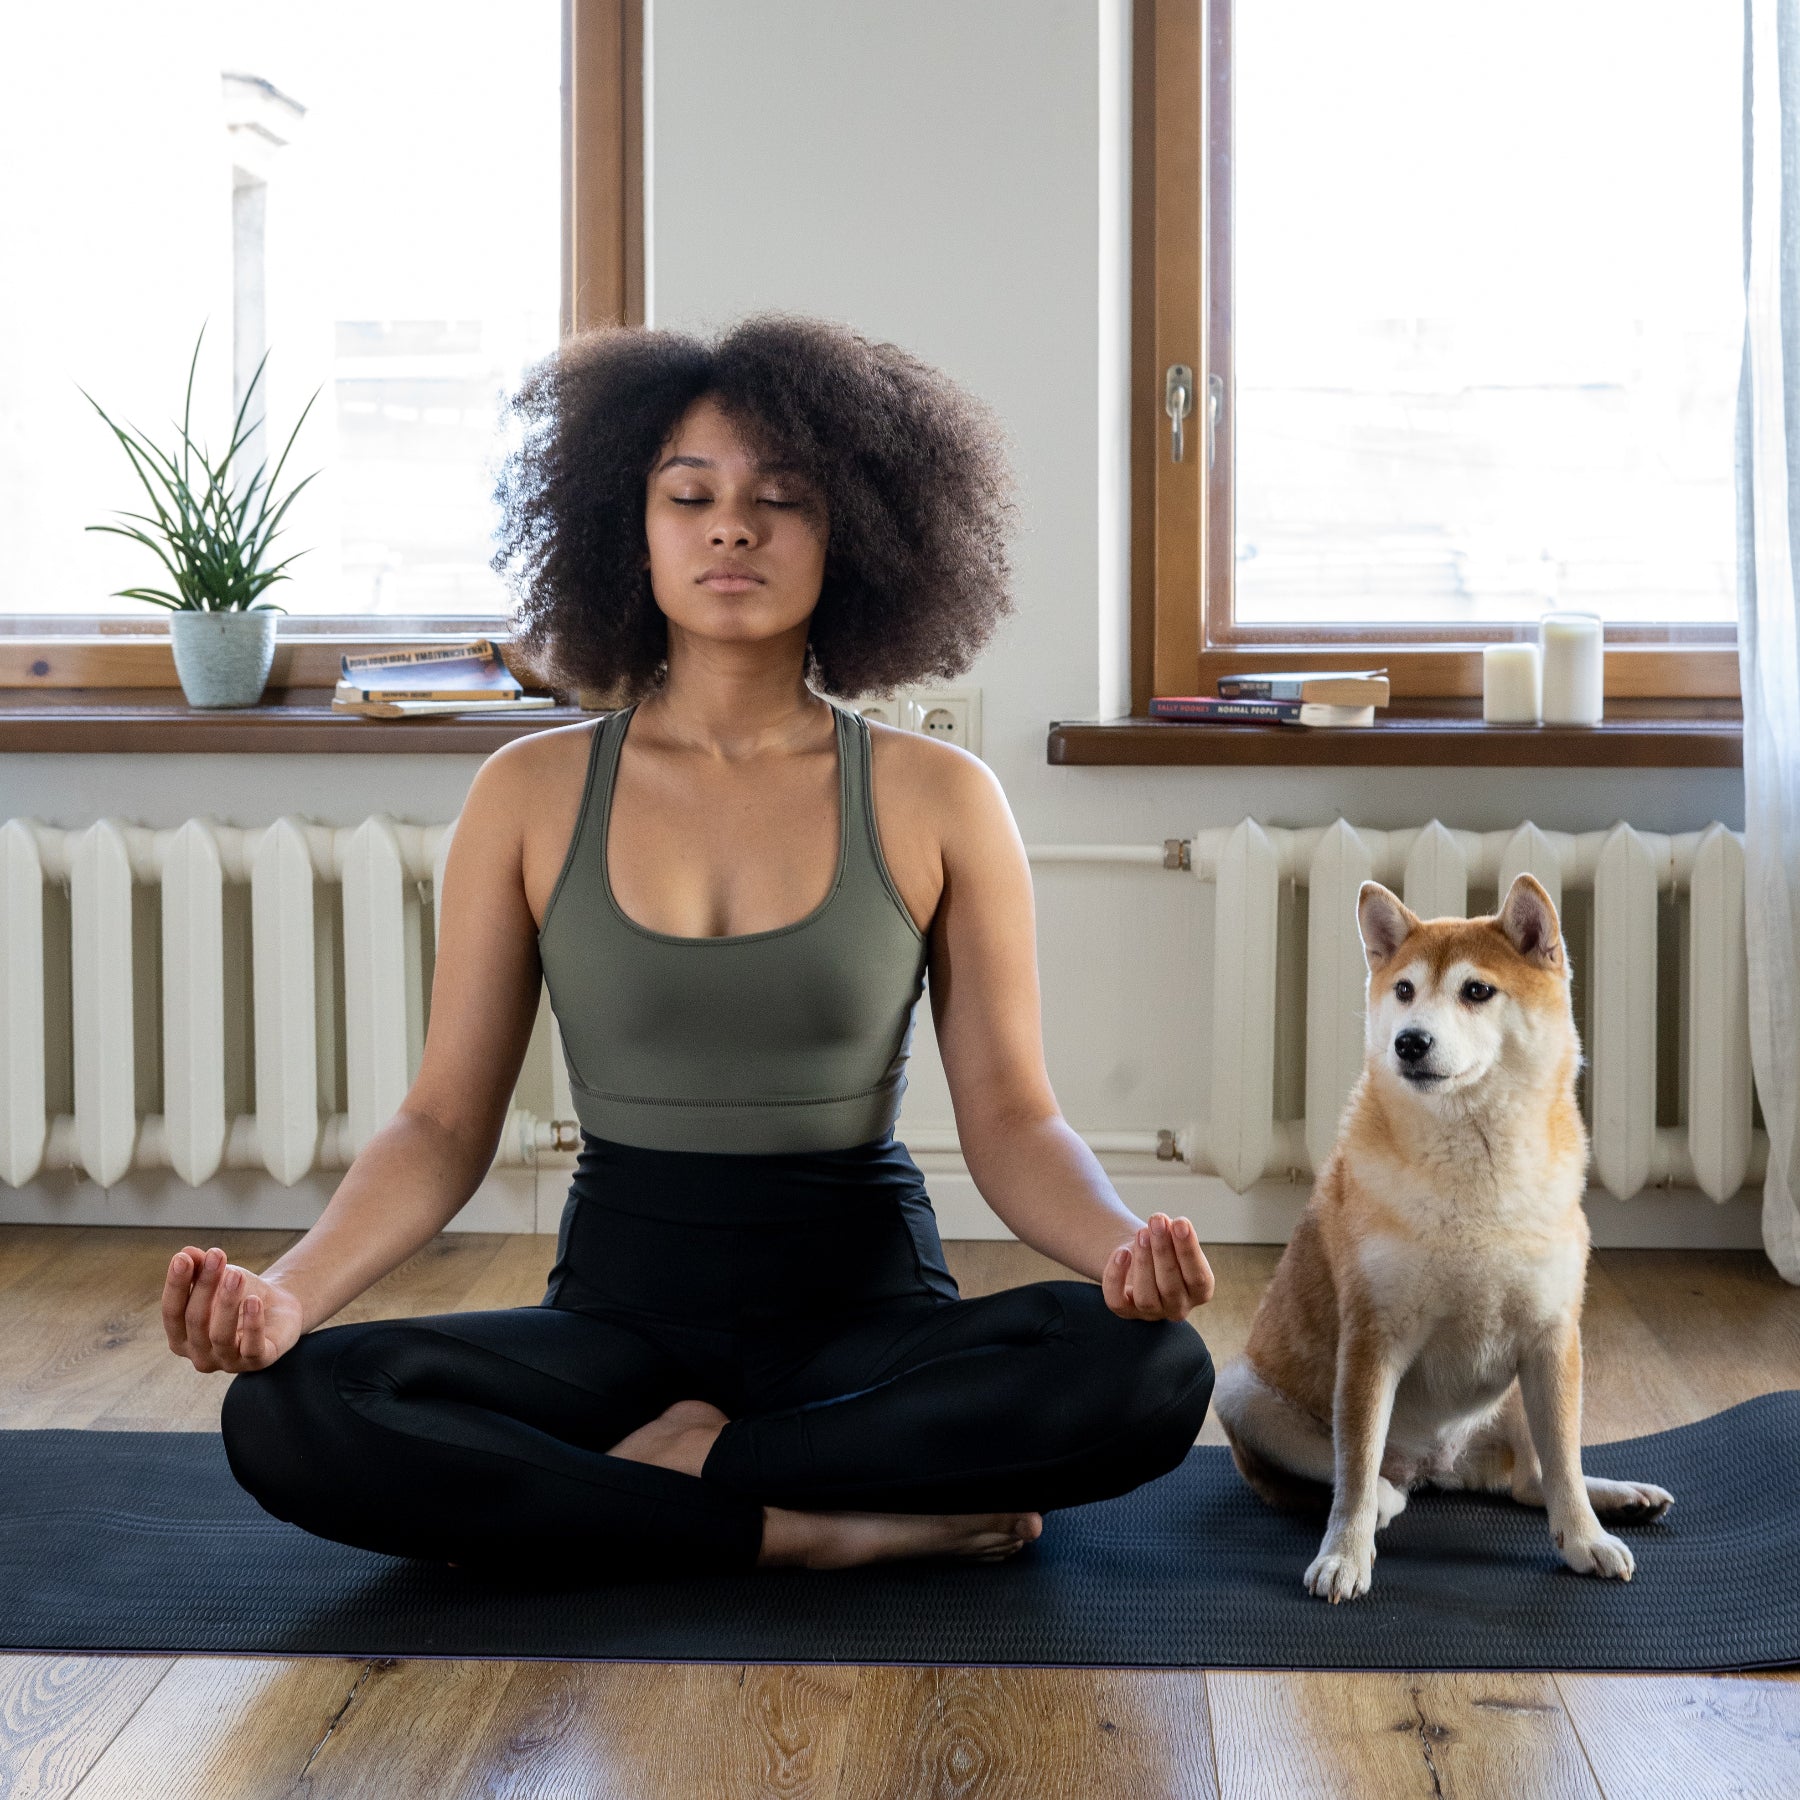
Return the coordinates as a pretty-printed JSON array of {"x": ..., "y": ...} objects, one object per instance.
[{"x": 737, "y": 547}]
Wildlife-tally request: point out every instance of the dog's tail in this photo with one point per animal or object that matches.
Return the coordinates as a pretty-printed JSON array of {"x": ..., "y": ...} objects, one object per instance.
[{"x": 1269, "y": 1481}]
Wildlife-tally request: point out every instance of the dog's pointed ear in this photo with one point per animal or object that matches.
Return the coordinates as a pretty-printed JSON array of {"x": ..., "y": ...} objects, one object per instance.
[
  {"x": 1384, "y": 921},
  {"x": 1528, "y": 918}
]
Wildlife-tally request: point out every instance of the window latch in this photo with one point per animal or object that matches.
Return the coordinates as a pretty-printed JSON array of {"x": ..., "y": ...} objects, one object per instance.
[
  {"x": 1215, "y": 405},
  {"x": 1178, "y": 402}
]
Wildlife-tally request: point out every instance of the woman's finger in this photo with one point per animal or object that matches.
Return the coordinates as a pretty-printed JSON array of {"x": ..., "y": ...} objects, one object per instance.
[
  {"x": 1143, "y": 1278},
  {"x": 252, "y": 1340},
  {"x": 1195, "y": 1269},
  {"x": 222, "y": 1326},
  {"x": 1170, "y": 1284},
  {"x": 200, "y": 1299},
  {"x": 175, "y": 1298}
]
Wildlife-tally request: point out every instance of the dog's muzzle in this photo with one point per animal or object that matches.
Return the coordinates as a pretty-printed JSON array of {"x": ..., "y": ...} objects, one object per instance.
[{"x": 1411, "y": 1047}]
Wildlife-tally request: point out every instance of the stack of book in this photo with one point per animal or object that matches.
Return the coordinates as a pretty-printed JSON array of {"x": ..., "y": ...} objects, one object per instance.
[
  {"x": 446, "y": 678},
  {"x": 1308, "y": 697}
]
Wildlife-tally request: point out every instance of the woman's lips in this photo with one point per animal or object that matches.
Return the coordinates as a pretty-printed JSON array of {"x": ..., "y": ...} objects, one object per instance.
[{"x": 730, "y": 584}]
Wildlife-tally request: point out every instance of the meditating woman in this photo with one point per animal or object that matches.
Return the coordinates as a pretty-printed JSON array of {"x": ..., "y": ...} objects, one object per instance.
[{"x": 750, "y": 1351}]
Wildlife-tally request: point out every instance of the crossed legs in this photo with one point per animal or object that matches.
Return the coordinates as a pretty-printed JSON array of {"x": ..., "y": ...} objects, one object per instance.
[{"x": 501, "y": 1437}]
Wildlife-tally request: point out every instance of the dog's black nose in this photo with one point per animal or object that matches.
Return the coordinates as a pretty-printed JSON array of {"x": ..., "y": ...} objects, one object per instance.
[{"x": 1412, "y": 1045}]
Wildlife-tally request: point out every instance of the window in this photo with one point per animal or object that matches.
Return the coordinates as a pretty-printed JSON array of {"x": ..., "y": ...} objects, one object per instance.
[
  {"x": 1461, "y": 301},
  {"x": 402, "y": 204}
]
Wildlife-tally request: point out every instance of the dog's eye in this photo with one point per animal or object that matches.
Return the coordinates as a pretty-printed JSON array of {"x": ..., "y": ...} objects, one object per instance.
[
  {"x": 1477, "y": 991},
  {"x": 1403, "y": 991}
]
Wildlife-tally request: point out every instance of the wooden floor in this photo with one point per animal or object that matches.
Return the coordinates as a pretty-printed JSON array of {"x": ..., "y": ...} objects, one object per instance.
[{"x": 1671, "y": 1336}]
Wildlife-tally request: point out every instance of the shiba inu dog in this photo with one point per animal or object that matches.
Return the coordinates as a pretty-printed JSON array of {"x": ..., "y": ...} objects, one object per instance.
[{"x": 1423, "y": 1324}]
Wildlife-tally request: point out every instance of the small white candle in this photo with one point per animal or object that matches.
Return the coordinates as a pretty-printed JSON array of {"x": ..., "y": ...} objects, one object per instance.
[
  {"x": 1574, "y": 667},
  {"x": 1509, "y": 684}
]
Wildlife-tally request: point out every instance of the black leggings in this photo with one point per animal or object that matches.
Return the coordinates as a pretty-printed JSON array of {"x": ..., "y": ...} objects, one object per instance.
[{"x": 804, "y": 1295}]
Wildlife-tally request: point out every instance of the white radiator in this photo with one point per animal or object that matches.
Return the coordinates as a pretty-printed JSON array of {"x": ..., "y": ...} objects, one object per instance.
[
  {"x": 1656, "y": 932},
  {"x": 334, "y": 1002},
  {"x": 1621, "y": 952},
  {"x": 291, "y": 966}
]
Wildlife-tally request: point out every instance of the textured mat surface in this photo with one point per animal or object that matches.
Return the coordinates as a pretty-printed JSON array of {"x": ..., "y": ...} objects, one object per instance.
[{"x": 142, "y": 1541}]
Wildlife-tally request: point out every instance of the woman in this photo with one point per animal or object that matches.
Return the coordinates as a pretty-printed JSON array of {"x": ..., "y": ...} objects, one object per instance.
[{"x": 751, "y": 1351}]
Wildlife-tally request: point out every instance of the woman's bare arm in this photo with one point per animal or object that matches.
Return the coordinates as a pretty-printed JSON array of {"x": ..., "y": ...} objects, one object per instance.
[
  {"x": 1030, "y": 1166},
  {"x": 420, "y": 1168}
]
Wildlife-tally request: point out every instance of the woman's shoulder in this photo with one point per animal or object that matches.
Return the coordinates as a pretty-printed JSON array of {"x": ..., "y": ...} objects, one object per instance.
[
  {"x": 927, "y": 772},
  {"x": 538, "y": 756},
  {"x": 939, "y": 808}
]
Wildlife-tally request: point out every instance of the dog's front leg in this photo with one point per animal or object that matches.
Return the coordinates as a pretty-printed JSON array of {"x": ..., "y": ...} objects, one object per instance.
[
  {"x": 1368, "y": 1371},
  {"x": 1550, "y": 1385}
]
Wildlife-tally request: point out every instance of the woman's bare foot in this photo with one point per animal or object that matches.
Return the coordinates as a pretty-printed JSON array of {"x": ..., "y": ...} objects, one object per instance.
[
  {"x": 678, "y": 1439},
  {"x": 681, "y": 1437},
  {"x": 840, "y": 1540}
]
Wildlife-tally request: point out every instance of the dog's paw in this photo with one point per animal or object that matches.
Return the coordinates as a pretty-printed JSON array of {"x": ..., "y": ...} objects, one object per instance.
[
  {"x": 1390, "y": 1503},
  {"x": 1602, "y": 1554},
  {"x": 1341, "y": 1571},
  {"x": 1630, "y": 1502}
]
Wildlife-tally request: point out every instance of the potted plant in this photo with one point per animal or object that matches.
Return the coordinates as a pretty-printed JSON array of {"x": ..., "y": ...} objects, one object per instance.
[{"x": 214, "y": 542}]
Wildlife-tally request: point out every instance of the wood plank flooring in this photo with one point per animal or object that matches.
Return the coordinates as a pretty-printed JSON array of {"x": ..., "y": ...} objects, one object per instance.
[{"x": 1671, "y": 1336}]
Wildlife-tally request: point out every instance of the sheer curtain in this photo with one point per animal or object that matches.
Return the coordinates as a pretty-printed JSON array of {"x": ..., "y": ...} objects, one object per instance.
[{"x": 1768, "y": 463}]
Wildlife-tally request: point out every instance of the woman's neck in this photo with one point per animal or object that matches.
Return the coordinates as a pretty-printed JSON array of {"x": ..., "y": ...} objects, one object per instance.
[{"x": 733, "y": 699}]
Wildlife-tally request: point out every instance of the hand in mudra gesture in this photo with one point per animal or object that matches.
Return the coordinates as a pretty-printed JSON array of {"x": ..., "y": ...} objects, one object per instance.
[
  {"x": 221, "y": 1316},
  {"x": 1161, "y": 1273}
]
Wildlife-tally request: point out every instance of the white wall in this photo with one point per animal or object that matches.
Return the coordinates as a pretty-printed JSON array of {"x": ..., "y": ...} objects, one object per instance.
[
  {"x": 950, "y": 176},
  {"x": 955, "y": 178}
]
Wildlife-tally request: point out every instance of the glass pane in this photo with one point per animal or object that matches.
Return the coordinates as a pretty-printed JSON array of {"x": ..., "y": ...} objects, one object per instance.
[
  {"x": 1488, "y": 309},
  {"x": 369, "y": 189}
]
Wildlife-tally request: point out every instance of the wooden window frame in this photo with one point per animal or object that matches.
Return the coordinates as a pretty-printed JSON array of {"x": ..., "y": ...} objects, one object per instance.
[
  {"x": 1184, "y": 636},
  {"x": 601, "y": 280}
]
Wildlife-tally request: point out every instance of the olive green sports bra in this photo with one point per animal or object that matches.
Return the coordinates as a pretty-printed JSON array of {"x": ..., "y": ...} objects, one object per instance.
[{"x": 786, "y": 1040}]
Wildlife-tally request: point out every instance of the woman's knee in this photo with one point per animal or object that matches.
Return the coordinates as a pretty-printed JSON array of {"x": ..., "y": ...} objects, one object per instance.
[
  {"x": 280, "y": 1426},
  {"x": 1154, "y": 1372}
]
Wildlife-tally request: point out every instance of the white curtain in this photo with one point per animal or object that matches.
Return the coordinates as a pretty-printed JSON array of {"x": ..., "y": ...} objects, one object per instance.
[{"x": 1768, "y": 466}]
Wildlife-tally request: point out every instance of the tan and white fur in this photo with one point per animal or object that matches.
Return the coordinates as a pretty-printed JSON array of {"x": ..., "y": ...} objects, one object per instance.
[{"x": 1423, "y": 1324}]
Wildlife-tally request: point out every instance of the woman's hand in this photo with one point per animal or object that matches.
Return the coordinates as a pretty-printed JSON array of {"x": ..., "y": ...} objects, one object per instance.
[
  {"x": 1160, "y": 1274},
  {"x": 220, "y": 1316}
]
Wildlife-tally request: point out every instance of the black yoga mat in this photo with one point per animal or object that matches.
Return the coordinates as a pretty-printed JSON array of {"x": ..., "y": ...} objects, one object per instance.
[{"x": 141, "y": 1541}]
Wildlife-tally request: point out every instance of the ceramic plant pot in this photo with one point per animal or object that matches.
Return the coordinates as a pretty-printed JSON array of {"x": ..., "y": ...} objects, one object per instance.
[{"x": 223, "y": 658}]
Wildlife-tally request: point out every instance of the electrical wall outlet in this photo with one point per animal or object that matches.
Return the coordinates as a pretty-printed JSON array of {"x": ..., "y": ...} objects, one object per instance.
[
  {"x": 883, "y": 712},
  {"x": 950, "y": 713}
]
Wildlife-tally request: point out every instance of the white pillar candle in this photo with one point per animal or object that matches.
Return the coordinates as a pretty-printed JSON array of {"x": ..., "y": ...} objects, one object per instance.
[
  {"x": 1509, "y": 684},
  {"x": 1574, "y": 666}
]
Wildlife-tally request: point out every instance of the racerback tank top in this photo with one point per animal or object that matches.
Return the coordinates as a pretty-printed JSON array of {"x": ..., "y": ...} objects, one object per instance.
[{"x": 771, "y": 1041}]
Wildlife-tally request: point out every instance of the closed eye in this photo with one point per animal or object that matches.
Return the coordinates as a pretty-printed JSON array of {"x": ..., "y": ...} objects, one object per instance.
[
  {"x": 681, "y": 500},
  {"x": 1475, "y": 992}
]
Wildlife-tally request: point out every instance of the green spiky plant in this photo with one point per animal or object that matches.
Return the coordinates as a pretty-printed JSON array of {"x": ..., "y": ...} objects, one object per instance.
[{"x": 213, "y": 542}]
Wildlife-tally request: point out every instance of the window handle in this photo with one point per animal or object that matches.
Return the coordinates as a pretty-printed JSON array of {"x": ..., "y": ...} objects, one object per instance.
[
  {"x": 1178, "y": 402},
  {"x": 1215, "y": 405}
]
